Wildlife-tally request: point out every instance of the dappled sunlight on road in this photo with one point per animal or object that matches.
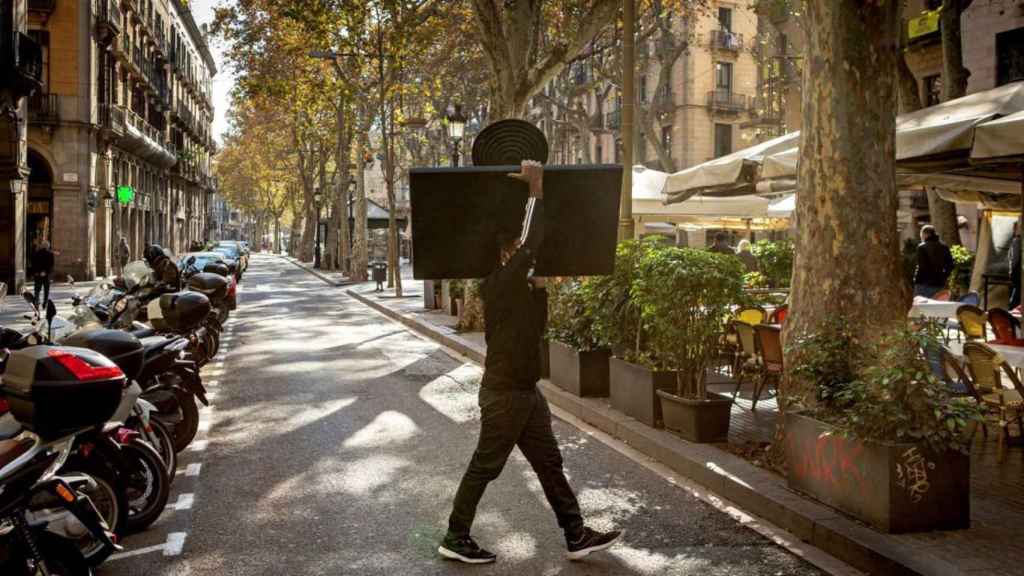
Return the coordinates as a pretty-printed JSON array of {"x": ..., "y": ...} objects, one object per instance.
[
  {"x": 453, "y": 394},
  {"x": 388, "y": 427}
]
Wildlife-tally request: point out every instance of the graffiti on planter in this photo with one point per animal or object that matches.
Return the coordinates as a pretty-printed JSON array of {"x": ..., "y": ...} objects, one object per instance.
[
  {"x": 832, "y": 459},
  {"x": 912, "y": 474}
]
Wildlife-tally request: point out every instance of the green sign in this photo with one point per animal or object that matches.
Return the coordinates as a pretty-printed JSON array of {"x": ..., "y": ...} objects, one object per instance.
[{"x": 125, "y": 194}]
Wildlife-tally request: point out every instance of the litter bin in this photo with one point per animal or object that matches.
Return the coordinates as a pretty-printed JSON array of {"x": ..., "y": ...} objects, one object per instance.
[{"x": 380, "y": 272}]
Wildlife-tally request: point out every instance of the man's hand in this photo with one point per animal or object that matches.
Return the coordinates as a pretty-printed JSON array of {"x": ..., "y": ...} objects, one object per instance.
[{"x": 532, "y": 173}]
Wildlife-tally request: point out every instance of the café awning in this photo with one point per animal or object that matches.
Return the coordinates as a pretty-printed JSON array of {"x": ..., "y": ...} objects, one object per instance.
[
  {"x": 733, "y": 174},
  {"x": 649, "y": 205}
]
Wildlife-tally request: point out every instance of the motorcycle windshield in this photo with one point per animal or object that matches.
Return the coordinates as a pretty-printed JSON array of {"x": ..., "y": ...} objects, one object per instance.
[{"x": 137, "y": 273}]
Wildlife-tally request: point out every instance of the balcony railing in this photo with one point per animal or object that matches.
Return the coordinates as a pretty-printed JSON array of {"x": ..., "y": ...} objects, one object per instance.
[
  {"x": 727, "y": 101},
  {"x": 44, "y": 108},
  {"x": 613, "y": 119},
  {"x": 44, "y": 6},
  {"x": 112, "y": 118},
  {"x": 663, "y": 102},
  {"x": 726, "y": 40},
  {"x": 764, "y": 110},
  {"x": 108, "y": 20}
]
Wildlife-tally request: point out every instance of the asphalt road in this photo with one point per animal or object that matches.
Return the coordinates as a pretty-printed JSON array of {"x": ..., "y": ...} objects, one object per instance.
[{"x": 335, "y": 443}]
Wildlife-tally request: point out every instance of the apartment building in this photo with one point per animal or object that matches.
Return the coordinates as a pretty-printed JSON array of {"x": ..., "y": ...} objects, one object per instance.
[
  {"x": 702, "y": 112},
  {"x": 119, "y": 140}
]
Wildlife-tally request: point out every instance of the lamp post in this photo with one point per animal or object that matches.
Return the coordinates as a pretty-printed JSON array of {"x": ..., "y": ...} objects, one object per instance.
[
  {"x": 456, "y": 129},
  {"x": 317, "y": 198}
]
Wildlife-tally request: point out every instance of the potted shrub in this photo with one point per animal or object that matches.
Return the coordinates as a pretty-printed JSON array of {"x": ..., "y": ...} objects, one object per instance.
[
  {"x": 881, "y": 439},
  {"x": 634, "y": 374},
  {"x": 457, "y": 294},
  {"x": 577, "y": 362},
  {"x": 684, "y": 296}
]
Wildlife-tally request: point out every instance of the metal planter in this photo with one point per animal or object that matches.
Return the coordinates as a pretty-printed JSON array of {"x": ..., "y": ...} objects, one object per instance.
[
  {"x": 893, "y": 487},
  {"x": 633, "y": 390},
  {"x": 579, "y": 372},
  {"x": 697, "y": 420}
]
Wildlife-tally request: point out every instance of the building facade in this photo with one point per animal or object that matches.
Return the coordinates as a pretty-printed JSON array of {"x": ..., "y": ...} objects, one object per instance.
[
  {"x": 701, "y": 111},
  {"x": 119, "y": 139}
]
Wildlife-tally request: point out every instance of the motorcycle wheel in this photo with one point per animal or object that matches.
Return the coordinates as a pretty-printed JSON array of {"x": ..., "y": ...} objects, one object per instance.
[
  {"x": 147, "y": 485},
  {"x": 222, "y": 314},
  {"x": 61, "y": 556},
  {"x": 185, "y": 431},
  {"x": 112, "y": 506},
  {"x": 165, "y": 448},
  {"x": 212, "y": 342}
]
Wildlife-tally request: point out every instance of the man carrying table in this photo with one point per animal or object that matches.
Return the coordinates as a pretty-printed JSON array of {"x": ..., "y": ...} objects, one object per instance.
[{"x": 513, "y": 411}]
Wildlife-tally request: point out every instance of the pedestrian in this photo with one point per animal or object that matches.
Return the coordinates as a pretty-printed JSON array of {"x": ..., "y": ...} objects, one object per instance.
[
  {"x": 513, "y": 412},
  {"x": 721, "y": 245},
  {"x": 124, "y": 253},
  {"x": 934, "y": 264},
  {"x": 1015, "y": 264},
  {"x": 42, "y": 271},
  {"x": 748, "y": 258}
]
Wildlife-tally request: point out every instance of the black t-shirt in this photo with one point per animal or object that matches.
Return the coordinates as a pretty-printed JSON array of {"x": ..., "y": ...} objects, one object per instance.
[
  {"x": 42, "y": 262},
  {"x": 515, "y": 314}
]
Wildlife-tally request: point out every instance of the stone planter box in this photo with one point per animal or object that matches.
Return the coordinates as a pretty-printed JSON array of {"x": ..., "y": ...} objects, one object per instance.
[
  {"x": 893, "y": 487},
  {"x": 633, "y": 390},
  {"x": 697, "y": 420},
  {"x": 583, "y": 373}
]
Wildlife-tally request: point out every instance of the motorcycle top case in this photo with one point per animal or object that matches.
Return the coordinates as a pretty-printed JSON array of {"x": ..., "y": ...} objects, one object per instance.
[
  {"x": 179, "y": 312},
  {"x": 121, "y": 347},
  {"x": 214, "y": 267},
  {"x": 213, "y": 286},
  {"x": 56, "y": 391}
]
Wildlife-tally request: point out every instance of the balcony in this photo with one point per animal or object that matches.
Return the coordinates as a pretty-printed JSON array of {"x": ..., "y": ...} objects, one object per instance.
[
  {"x": 663, "y": 102},
  {"x": 764, "y": 111},
  {"x": 725, "y": 40},
  {"x": 727, "y": 101},
  {"x": 27, "y": 69},
  {"x": 42, "y": 6},
  {"x": 613, "y": 119},
  {"x": 108, "y": 21},
  {"x": 44, "y": 109},
  {"x": 112, "y": 120},
  {"x": 597, "y": 121}
]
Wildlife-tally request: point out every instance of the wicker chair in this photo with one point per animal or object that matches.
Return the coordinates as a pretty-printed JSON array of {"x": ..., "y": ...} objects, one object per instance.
[
  {"x": 748, "y": 363},
  {"x": 971, "y": 320},
  {"x": 769, "y": 347},
  {"x": 751, "y": 315},
  {"x": 1001, "y": 405}
]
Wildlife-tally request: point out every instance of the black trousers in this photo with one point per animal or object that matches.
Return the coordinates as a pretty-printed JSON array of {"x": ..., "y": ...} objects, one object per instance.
[
  {"x": 511, "y": 418},
  {"x": 41, "y": 281}
]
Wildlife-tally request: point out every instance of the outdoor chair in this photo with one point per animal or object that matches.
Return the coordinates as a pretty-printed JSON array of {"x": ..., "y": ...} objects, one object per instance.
[
  {"x": 999, "y": 404},
  {"x": 779, "y": 315},
  {"x": 748, "y": 363},
  {"x": 971, "y": 321},
  {"x": 1005, "y": 327},
  {"x": 943, "y": 295},
  {"x": 769, "y": 346},
  {"x": 752, "y": 315}
]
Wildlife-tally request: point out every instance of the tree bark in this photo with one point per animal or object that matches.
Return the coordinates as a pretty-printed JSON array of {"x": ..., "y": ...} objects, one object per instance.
[
  {"x": 342, "y": 158},
  {"x": 360, "y": 258},
  {"x": 847, "y": 263}
]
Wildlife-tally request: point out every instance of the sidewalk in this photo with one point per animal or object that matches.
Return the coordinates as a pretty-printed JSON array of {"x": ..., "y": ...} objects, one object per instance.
[
  {"x": 989, "y": 547},
  {"x": 14, "y": 308}
]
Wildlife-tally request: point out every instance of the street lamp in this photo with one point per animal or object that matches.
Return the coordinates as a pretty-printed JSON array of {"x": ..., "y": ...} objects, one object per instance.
[
  {"x": 317, "y": 199},
  {"x": 456, "y": 129}
]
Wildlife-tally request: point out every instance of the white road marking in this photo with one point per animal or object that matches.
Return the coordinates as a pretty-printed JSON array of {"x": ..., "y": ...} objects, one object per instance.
[
  {"x": 192, "y": 470},
  {"x": 199, "y": 445},
  {"x": 204, "y": 425},
  {"x": 185, "y": 502},
  {"x": 175, "y": 543}
]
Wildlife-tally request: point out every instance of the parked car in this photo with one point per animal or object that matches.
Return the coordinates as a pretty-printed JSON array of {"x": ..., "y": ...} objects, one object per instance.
[
  {"x": 243, "y": 252},
  {"x": 233, "y": 256}
]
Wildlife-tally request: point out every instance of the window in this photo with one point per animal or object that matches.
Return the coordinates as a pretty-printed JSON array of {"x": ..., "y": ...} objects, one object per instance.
[
  {"x": 1009, "y": 56},
  {"x": 932, "y": 90},
  {"x": 723, "y": 76},
  {"x": 618, "y": 151},
  {"x": 725, "y": 18},
  {"x": 932, "y": 4},
  {"x": 666, "y": 139},
  {"x": 598, "y": 154},
  {"x": 42, "y": 37},
  {"x": 643, "y": 89},
  {"x": 723, "y": 139}
]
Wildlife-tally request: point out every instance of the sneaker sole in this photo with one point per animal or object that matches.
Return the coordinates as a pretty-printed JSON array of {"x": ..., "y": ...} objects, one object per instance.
[
  {"x": 451, "y": 555},
  {"x": 580, "y": 554}
]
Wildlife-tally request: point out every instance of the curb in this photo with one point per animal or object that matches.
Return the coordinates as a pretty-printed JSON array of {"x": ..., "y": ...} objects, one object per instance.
[
  {"x": 755, "y": 490},
  {"x": 317, "y": 273}
]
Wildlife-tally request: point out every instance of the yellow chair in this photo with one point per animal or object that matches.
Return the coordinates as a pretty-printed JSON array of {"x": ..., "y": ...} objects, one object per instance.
[
  {"x": 1001, "y": 405},
  {"x": 972, "y": 322},
  {"x": 752, "y": 315}
]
